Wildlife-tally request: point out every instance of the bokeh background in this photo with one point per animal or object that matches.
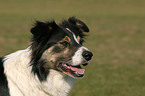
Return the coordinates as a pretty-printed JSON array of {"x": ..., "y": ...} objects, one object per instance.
[{"x": 117, "y": 39}]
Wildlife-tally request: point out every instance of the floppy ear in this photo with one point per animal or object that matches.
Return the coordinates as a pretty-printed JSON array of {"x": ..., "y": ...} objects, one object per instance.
[
  {"x": 81, "y": 25},
  {"x": 41, "y": 28}
]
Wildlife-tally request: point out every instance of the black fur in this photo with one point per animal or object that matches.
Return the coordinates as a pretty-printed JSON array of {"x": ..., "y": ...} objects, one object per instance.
[
  {"x": 44, "y": 36},
  {"x": 4, "y": 91}
]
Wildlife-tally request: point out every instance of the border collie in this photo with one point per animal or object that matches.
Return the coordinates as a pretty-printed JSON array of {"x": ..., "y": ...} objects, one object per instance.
[{"x": 49, "y": 66}]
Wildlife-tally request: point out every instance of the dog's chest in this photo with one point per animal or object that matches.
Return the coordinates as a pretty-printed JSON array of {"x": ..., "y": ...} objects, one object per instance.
[{"x": 58, "y": 84}]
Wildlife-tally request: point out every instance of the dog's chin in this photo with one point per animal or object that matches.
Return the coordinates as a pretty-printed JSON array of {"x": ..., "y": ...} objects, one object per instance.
[{"x": 72, "y": 71}]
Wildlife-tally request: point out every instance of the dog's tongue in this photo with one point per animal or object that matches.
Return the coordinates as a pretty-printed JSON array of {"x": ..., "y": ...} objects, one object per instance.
[{"x": 79, "y": 70}]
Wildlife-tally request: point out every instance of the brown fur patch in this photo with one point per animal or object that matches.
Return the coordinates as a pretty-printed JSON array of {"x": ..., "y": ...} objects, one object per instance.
[{"x": 78, "y": 38}]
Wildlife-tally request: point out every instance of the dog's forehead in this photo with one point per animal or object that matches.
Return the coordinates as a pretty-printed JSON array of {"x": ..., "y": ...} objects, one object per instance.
[
  {"x": 60, "y": 34},
  {"x": 71, "y": 35}
]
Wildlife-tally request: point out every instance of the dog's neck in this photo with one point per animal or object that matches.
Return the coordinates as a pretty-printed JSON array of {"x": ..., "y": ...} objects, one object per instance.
[
  {"x": 57, "y": 83},
  {"x": 25, "y": 83}
]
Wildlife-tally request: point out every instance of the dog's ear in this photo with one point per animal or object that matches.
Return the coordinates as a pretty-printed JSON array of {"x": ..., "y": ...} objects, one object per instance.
[
  {"x": 42, "y": 28},
  {"x": 81, "y": 25}
]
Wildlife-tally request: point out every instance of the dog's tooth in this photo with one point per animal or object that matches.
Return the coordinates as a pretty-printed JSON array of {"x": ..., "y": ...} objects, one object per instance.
[
  {"x": 65, "y": 65},
  {"x": 68, "y": 67},
  {"x": 76, "y": 72}
]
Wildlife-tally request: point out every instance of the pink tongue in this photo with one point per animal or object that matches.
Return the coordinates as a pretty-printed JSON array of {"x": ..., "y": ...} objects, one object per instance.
[{"x": 79, "y": 70}]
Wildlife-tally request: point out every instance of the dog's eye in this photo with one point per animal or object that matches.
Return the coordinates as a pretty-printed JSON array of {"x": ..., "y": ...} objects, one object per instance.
[{"x": 64, "y": 43}]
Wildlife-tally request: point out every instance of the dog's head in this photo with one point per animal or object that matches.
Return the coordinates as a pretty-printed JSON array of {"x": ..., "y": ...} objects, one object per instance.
[{"x": 59, "y": 47}]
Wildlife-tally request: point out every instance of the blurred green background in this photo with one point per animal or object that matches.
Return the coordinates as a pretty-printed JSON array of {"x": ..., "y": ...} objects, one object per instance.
[{"x": 117, "y": 39}]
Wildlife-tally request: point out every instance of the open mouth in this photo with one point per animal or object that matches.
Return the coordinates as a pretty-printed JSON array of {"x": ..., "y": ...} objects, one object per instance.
[{"x": 73, "y": 71}]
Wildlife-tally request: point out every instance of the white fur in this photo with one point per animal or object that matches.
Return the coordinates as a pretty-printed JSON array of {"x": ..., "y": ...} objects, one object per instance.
[
  {"x": 22, "y": 82},
  {"x": 77, "y": 59},
  {"x": 74, "y": 36}
]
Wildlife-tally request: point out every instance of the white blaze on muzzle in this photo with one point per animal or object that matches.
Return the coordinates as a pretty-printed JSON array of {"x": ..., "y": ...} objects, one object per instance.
[{"x": 78, "y": 58}]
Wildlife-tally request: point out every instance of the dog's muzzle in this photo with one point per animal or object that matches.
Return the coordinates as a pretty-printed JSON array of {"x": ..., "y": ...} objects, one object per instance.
[{"x": 73, "y": 67}]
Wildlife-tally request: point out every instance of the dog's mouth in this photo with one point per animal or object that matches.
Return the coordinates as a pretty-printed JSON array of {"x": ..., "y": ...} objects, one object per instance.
[{"x": 73, "y": 71}]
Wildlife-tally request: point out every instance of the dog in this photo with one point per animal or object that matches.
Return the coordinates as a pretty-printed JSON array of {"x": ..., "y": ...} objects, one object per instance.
[{"x": 49, "y": 66}]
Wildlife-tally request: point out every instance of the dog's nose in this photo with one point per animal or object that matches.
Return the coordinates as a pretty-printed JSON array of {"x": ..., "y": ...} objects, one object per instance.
[{"x": 87, "y": 55}]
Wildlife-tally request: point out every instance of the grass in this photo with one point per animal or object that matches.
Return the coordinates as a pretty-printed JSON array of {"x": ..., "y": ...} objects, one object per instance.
[{"x": 116, "y": 38}]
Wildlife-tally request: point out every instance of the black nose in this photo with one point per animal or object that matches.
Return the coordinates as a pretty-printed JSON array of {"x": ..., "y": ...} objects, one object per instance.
[{"x": 87, "y": 55}]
